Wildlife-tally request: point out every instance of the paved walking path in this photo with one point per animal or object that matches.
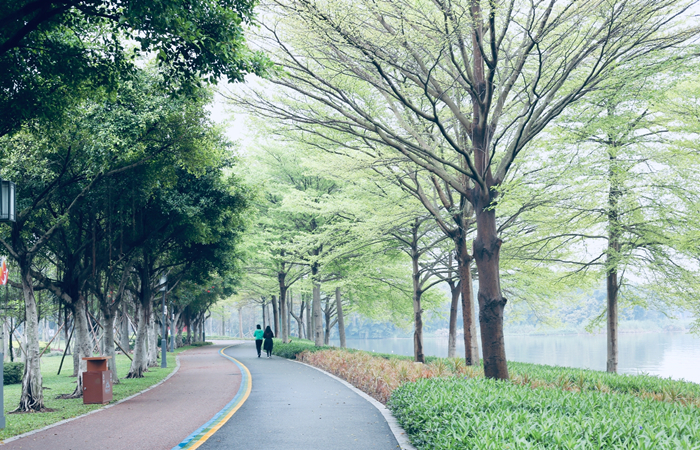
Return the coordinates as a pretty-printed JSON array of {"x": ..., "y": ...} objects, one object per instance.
[
  {"x": 157, "y": 419},
  {"x": 292, "y": 407},
  {"x": 234, "y": 402}
]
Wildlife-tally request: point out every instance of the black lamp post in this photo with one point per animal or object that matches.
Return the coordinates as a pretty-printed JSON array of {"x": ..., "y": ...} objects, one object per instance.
[
  {"x": 163, "y": 341},
  {"x": 7, "y": 214},
  {"x": 2, "y": 375}
]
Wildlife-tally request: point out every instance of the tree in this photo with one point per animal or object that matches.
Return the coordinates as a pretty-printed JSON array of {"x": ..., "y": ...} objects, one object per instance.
[
  {"x": 620, "y": 139},
  {"x": 55, "y": 53},
  {"x": 65, "y": 209},
  {"x": 458, "y": 88},
  {"x": 418, "y": 239}
]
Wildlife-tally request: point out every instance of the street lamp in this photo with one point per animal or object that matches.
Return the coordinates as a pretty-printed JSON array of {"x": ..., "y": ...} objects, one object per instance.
[
  {"x": 7, "y": 214},
  {"x": 163, "y": 341},
  {"x": 2, "y": 364},
  {"x": 7, "y": 201}
]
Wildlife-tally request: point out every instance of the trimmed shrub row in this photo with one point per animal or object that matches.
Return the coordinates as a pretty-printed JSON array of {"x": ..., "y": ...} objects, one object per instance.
[{"x": 293, "y": 348}]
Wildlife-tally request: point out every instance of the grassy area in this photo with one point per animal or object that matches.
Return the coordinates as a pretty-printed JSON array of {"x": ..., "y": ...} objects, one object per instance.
[
  {"x": 453, "y": 413},
  {"x": 55, "y": 385}
]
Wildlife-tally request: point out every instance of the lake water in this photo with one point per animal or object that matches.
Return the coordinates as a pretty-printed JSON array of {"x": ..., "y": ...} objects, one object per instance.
[{"x": 675, "y": 355}]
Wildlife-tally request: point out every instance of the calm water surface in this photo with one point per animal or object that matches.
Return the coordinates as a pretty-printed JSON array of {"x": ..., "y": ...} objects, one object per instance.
[{"x": 675, "y": 355}]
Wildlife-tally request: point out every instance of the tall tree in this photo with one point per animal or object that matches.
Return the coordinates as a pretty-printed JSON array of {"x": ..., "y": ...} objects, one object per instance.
[
  {"x": 459, "y": 88},
  {"x": 639, "y": 218}
]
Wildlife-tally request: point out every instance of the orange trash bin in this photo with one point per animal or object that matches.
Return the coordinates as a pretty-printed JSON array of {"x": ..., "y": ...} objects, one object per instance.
[{"x": 97, "y": 381}]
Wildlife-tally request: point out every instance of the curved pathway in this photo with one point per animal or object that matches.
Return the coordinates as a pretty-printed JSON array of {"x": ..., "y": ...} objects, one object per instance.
[
  {"x": 157, "y": 419},
  {"x": 292, "y": 406}
]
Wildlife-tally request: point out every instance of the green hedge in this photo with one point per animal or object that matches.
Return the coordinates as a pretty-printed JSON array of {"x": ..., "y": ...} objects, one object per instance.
[
  {"x": 12, "y": 372},
  {"x": 293, "y": 348},
  {"x": 200, "y": 344},
  {"x": 451, "y": 413}
]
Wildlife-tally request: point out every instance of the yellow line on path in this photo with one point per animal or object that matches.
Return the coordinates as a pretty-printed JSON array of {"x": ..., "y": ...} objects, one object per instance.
[{"x": 207, "y": 430}]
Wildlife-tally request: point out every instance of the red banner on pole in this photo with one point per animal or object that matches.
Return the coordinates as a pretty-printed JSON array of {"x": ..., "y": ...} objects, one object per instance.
[{"x": 3, "y": 273}]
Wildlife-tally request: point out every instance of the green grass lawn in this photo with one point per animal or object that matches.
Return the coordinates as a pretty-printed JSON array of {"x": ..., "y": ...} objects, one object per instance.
[{"x": 55, "y": 385}]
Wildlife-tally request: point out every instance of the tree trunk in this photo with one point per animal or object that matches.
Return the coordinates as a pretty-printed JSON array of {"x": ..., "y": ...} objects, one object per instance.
[
  {"x": 612, "y": 289},
  {"x": 281, "y": 278},
  {"x": 454, "y": 306},
  {"x": 240, "y": 322},
  {"x": 32, "y": 397},
  {"x": 108, "y": 340},
  {"x": 611, "y": 263},
  {"x": 299, "y": 319},
  {"x": 327, "y": 313},
  {"x": 179, "y": 340},
  {"x": 341, "y": 319},
  {"x": 188, "y": 323},
  {"x": 125, "y": 330},
  {"x": 196, "y": 328},
  {"x": 76, "y": 352},
  {"x": 83, "y": 344},
  {"x": 175, "y": 331},
  {"x": 139, "y": 364},
  {"x": 12, "y": 347},
  {"x": 472, "y": 327},
  {"x": 317, "y": 313},
  {"x": 284, "y": 315},
  {"x": 152, "y": 334},
  {"x": 290, "y": 305},
  {"x": 276, "y": 314},
  {"x": 263, "y": 315},
  {"x": 464, "y": 260},
  {"x": 309, "y": 319},
  {"x": 418, "y": 355},
  {"x": 487, "y": 248},
  {"x": 193, "y": 327},
  {"x": 45, "y": 330}
]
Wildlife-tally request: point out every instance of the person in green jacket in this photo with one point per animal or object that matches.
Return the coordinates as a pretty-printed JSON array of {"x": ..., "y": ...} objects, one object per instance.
[{"x": 258, "y": 334}]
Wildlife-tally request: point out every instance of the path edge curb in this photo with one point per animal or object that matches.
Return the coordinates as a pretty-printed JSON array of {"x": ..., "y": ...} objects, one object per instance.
[
  {"x": 398, "y": 431},
  {"x": 47, "y": 427}
]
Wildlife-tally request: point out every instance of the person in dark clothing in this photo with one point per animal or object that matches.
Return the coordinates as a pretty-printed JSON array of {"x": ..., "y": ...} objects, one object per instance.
[
  {"x": 268, "y": 335},
  {"x": 258, "y": 334}
]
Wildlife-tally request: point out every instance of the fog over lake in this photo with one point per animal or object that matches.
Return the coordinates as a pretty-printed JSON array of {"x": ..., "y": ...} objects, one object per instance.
[{"x": 675, "y": 355}]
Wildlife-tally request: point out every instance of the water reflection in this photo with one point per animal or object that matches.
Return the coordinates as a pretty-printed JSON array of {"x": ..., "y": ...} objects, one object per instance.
[{"x": 675, "y": 355}]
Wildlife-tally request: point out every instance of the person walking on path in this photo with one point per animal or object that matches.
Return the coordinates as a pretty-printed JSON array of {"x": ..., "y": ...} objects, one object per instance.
[
  {"x": 258, "y": 334},
  {"x": 268, "y": 335}
]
